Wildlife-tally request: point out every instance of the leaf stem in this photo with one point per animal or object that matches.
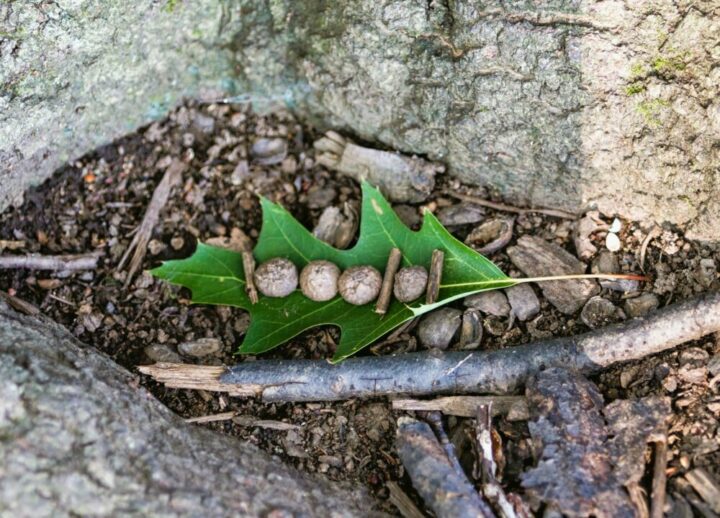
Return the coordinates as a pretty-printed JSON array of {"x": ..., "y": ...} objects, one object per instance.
[{"x": 607, "y": 276}]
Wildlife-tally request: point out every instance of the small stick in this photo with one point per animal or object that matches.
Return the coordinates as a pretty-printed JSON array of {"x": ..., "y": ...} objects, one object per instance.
[
  {"x": 402, "y": 502},
  {"x": 434, "y": 277},
  {"x": 509, "y": 208},
  {"x": 706, "y": 487},
  {"x": 386, "y": 290},
  {"x": 225, "y": 416},
  {"x": 465, "y": 406},
  {"x": 249, "y": 269},
  {"x": 50, "y": 262},
  {"x": 659, "y": 481},
  {"x": 447, "y": 492},
  {"x": 503, "y": 371},
  {"x": 491, "y": 488},
  {"x": 138, "y": 245}
]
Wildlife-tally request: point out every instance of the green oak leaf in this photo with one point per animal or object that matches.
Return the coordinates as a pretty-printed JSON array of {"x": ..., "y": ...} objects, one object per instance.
[{"x": 215, "y": 275}]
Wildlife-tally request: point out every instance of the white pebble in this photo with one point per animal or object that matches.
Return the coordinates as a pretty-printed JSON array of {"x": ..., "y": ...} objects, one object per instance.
[
  {"x": 612, "y": 242},
  {"x": 616, "y": 226}
]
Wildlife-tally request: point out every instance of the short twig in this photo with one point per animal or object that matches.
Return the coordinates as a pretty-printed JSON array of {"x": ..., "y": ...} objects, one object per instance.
[
  {"x": 249, "y": 270},
  {"x": 509, "y": 208},
  {"x": 498, "y": 372},
  {"x": 465, "y": 406},
  {"x": 50, "y": 262},
  {"x": 445, "y": 490},
  {"x": 138, "y": 245},
  {"x": 386, "y": 291},
  {"x": 434, "y": 276},
  {"x": 659, "y": 481}
]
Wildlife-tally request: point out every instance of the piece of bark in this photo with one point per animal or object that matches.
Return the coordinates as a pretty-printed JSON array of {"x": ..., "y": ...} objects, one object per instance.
[
  {"x": 434, "y": 276},
  {"x": 399, "y": 177},
  {"x": 51, "y": 262},
  {"x": 659, "y": 481},
  {"x": 706, "y": 487},
  {"x": 138, "y": 245},
  {"x": 536, "y": 257},
  {"x": 386, "y": 290},
  {"x": 80, "y": 437},
  {"x": 444, "y": 490},
  {"x": 465, "y": 406},
  {"x": 499, "y": 372},
  {"x": 575, "y": 471}
]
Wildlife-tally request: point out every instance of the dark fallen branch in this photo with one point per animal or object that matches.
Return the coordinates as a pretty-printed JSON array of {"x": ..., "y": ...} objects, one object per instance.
[
  {"x": 499, "y": 372},
  {"x": 138, "y": 245},
  {"x": 447, "y": 492},
  {"x": 50, "y": 262}
]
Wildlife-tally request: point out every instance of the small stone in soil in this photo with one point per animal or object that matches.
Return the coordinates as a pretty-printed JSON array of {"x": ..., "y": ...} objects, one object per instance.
[
  {"x": 641, "y": 305},
  {"x": 177, "y": 243},
  {"x": 438, "y": 328},
  {"x": 489, "y": 302},
  {"x": 408, "y": 215},
  {"x": 269, "y": 151},
  {"x": 523, "y": 301},
  {"x": 319, "y": 198},
  {"x": 461, "y": 214},
  {"x": 200, "y": 348},
  {"x": 155, "y": 246},
  {"x": 161, "y": 353},
  {"x": 494, "y": 326},
  {"x": 471, "y": 331},
  {"x": 599, "y": 312}
]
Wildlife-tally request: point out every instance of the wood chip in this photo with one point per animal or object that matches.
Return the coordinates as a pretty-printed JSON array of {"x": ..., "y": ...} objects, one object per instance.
[
  {"x": 386, "y": 290},
  {"x": 434, "y": 277}
]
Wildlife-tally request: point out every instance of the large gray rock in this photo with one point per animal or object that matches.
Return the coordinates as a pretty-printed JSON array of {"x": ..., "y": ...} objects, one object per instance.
[
  {"x": 564, "y": 103},
  {"x": 78, "y": 437}
]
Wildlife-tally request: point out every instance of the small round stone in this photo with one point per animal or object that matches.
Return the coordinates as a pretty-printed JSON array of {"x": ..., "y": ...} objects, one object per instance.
[
  {"x": 410, "y": 283},
  {"x": 276, "y": 277},
  {"x": 319, "y": 280},
  {"x": 359, "y": 285}
]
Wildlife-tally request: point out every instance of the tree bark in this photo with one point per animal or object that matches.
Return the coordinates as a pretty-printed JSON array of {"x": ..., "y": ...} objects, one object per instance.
[
  {"x": 557, "y": 103},
  {"x": 79, "y": 437}
]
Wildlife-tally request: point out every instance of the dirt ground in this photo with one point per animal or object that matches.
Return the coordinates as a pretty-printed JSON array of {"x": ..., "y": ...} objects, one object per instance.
[{"x": 98, "y": 201}]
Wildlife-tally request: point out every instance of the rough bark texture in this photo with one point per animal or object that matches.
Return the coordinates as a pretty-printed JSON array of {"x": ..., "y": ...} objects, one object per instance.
[
  {"x": 565, "y": 103},
  {"x": 79, "y": 438}
]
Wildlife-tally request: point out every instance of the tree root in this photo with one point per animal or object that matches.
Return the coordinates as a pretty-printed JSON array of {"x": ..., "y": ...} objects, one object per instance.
[{"x": 498, "y": 372}]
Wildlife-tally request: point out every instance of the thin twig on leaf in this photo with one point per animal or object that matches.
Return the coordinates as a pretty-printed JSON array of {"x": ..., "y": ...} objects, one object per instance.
[{"x": 497, "y": 372}]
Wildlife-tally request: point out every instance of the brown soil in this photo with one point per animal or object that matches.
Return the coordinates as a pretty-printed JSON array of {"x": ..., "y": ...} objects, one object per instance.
[{"x": 96, "y": 202}]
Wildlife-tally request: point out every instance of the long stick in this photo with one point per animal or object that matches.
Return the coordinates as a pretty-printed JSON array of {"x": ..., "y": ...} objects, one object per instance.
[
  {"x": 499, "y": 372},
  {"x": 447, "y": 492},
  {"x": 50, "y": 262}
]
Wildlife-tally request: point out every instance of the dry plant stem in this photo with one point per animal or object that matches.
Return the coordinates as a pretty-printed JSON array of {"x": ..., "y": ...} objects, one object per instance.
[
  {"x": 509, "y": 208},
  {"x": 402, "y": 502},
  {"x": 386, "y": 290},
  {"x": 138, "y": 245},
  {"x": 496, "y": 372},
  {"x": 659, "y": 481},
  {"x": 491, "y": 488},
  {"x": 249, "y": 269},
  {"x": 225, "y": 416},
  {"x": 464, "y": 406},
  {"x": 50, "y": 262},
  {"x": 434, "y": 276},
  {"x": 444, "y": 490}
]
